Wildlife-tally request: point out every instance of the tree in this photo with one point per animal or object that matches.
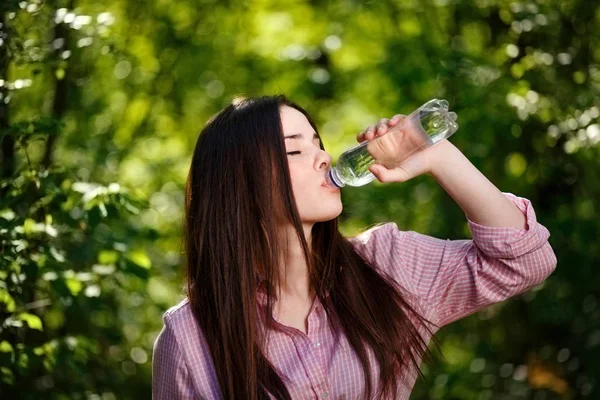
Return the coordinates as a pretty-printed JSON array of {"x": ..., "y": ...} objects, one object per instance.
[
  {"x": 66, "y": 264},
  {"x": 124, "y": 95}
]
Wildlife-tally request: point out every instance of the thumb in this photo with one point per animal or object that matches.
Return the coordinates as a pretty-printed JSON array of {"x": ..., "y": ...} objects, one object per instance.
[
  {"x": 379, "y": 171},
  {"x": 387, "y": 175}
]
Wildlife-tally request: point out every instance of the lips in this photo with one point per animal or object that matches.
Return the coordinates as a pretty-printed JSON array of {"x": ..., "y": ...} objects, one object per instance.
[{"x": 326, "y": 185}]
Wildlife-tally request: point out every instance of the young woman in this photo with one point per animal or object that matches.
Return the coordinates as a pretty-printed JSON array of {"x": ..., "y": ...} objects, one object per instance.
[{"x": 280, "y": 305}]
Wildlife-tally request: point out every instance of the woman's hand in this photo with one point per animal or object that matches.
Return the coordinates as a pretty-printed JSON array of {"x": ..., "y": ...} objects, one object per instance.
[{"x": 388, "y": 149}]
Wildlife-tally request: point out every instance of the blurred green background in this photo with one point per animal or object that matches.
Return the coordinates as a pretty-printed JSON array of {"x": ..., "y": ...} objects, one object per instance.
[{"x": 101, "y": 104}]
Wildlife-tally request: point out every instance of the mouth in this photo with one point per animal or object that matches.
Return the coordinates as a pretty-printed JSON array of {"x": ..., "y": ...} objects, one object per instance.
[{"x": 326, "y": 185}]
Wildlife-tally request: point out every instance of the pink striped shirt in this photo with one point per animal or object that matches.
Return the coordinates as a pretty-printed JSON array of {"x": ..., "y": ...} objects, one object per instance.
[{"x": 450, "y": 278}]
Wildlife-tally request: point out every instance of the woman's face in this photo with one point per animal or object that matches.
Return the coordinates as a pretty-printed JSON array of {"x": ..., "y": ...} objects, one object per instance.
[{"x": 308, "y": 167}]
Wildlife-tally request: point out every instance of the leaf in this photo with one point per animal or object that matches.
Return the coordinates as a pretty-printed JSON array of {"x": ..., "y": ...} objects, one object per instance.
[
  {"x": 74, "y": 286},
  {"x": 32, "y": 320},
  {"x": 139, "y": 258},
  {"x": 51, "y": 231},
  {"x": 6, "y": 347},
  {"x": 102, "y": 208},
  {"x": 90, "y": 190},
  {"x": 7, "y": 376},
  {"x": 101, "y": 269},
  {"x": 7, "y": 214},
  {"x": 57, "y": 254},
  {"x": 131, "y": 208},
  {"x": 108, "y": 257},
  {"x": 23, "y": 362},
  {"x": 50, "y": 276},
  {"x": 7, "y": 299},
  {"x": 83, "y": 187},
  {"x": 114, "y": 188},
  {"x": 129, "y": 266},
  {"x": 93, "y": 291},
  {"x": 30, "y": 226}
]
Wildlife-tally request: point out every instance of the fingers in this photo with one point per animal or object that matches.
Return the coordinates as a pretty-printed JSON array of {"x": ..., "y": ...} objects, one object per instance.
[
  {"x": 367, "y": 134},
  {"x": 374, "y": 130},
  {"x": 380, "y": 128},
  {"x": 396, "y": 118}
]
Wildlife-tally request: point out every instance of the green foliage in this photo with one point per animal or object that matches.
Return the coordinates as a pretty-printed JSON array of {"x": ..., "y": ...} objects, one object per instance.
[
  {"x": 116, "y": 94},
  {"x": 66, "y": 266},
  {"x": 63, "y": 271}
]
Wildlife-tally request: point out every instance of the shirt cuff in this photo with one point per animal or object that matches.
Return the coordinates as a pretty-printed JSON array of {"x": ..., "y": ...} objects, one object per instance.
[{"x": 510, "y": 242}]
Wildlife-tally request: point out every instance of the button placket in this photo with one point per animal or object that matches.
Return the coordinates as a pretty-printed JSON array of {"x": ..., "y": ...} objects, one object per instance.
[{"x": 311, "y": 363}]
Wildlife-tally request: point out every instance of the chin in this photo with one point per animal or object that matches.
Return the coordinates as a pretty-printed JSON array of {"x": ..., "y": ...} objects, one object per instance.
[{"x": 328, "y": 215}]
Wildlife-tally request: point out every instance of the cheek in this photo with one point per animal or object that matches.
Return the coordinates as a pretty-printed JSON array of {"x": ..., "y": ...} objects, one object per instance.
[
  {"x": 299, "y": 179},
  {"x": 304, "y": 186},
  {"x": 302, "y": 189}
]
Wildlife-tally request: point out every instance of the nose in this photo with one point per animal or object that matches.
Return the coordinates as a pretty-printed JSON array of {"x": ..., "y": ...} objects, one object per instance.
[{"x": 323, "y": 160}]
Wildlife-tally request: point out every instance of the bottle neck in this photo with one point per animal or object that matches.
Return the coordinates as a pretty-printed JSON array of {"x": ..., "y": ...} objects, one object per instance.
[{"x": 334, "y": 178}]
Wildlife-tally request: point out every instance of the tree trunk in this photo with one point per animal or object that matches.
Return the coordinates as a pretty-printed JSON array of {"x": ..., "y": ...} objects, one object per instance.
[
  {"x": 7, "y": 165},
  {"x": 59, "y": 105}
]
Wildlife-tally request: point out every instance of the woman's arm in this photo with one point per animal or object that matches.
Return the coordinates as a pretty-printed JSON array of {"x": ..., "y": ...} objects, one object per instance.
[
  {"x": 481, "y": 201},
  {"x": 509, "y": 252},
  {"x": 455, "y": 278}
]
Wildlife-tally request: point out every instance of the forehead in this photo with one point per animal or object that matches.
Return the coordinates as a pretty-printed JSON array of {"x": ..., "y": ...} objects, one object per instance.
[{"x": 293, "y": 121}]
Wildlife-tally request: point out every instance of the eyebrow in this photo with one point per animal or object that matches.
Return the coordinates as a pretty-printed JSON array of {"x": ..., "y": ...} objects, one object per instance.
[{"x": 300, "y": 136}]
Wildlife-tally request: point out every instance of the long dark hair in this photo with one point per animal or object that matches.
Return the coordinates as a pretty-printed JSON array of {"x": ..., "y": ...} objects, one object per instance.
[{"x": 237, "y": 191}]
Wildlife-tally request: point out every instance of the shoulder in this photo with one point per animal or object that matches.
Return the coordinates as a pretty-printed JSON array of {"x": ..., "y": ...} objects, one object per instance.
[
  {"x": 381, "y": 245},
  {"x": 180, "y": 328},
  {"x": 179, "y": 313},
  {"x": 183, "y": 342},
  {"x": 193, "y": 349},
  {"x": 388, "y": 249},
  {"x": 376, "y": 238},
  {"x": 176, "y": 320},
  {"x": 174, "y": 374},
  {"x": 374, "y": 232}
]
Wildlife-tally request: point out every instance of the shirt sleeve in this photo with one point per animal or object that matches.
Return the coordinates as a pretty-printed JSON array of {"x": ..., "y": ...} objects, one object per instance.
[
  {"x": 170, "y": 375},
  {"x": 455, "y": 278}
]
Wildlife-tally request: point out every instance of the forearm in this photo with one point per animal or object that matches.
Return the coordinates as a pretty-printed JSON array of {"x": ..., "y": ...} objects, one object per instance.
[{"x": 481, "y": 201}]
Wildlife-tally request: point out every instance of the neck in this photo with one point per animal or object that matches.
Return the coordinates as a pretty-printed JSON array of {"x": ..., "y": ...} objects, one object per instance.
[{"x": 294, "y": 268}]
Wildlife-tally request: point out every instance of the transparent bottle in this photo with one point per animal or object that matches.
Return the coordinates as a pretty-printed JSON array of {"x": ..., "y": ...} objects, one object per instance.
[{"x": 424, "y": 127}]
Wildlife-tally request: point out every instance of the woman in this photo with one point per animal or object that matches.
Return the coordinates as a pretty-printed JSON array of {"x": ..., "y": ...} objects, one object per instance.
[{"x": 281, "y": 305}]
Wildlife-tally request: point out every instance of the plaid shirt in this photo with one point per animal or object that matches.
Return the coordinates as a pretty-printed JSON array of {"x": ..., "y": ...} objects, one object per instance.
[{"x": 450, "y": 278}]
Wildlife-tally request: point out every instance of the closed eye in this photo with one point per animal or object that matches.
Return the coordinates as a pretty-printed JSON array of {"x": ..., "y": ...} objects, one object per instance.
[{"x": 294, "y": 153}]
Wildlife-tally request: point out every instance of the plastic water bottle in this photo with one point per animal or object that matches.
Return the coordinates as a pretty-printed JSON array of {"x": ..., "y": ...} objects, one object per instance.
[{"x": 424, "y": 127}]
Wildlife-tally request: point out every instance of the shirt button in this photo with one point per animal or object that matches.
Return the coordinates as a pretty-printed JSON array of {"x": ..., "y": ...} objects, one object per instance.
[
  {"x": 325, "y": 395},
  {"x": 317, "y": 344}
]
